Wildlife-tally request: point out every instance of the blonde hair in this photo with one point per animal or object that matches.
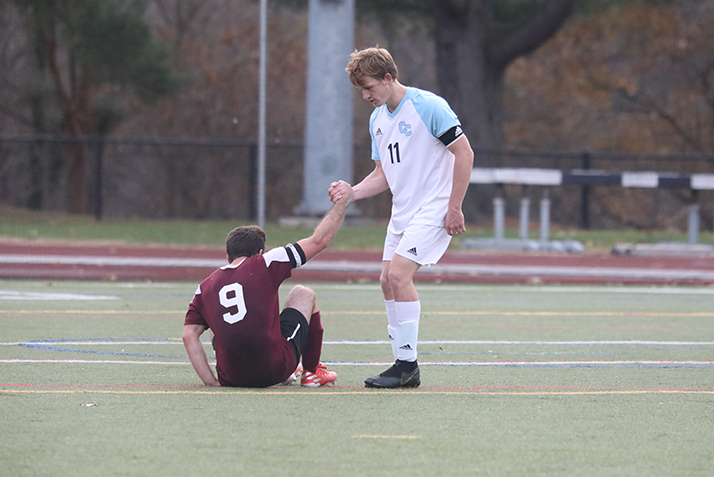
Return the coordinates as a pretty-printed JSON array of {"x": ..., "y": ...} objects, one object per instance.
[{"x": 370, "y": 63}]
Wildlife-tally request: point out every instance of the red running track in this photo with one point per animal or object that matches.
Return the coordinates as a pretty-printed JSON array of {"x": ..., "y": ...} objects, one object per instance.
[{"x": 348, "y": 266}]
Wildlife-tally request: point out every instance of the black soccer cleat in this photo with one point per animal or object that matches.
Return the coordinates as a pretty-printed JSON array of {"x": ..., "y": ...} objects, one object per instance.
[{"x": 394, "y": 377}]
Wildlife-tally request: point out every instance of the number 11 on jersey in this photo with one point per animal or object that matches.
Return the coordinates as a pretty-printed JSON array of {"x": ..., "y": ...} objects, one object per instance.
[{"x": 394, "y": 152}]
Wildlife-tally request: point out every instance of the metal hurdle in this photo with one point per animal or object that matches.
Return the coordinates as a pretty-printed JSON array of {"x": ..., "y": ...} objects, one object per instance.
[{"x": 546, "y": 178}]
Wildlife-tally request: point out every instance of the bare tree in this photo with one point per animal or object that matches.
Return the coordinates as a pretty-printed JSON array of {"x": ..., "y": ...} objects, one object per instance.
[{"x": 475, "y": 42}]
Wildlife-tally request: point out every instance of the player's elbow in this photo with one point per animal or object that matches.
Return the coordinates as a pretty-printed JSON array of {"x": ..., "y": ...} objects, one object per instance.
[
  {"x": 187, "y": 340},
  {"x": 190, "y": 335},
  {"x": 322, "y": 242},
  {"x": 312, "y": 246}
]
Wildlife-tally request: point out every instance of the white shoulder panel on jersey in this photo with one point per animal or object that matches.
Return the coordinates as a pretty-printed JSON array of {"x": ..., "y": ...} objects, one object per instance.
[
  {"x": 278, "y": 254},
  {"x": 291, "y": 253}
]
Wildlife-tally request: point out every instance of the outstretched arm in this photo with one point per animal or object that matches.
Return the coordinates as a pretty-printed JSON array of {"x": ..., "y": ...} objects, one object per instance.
[
  {"x": 197, "y": 355},
  {"x": 463, "y": 163},
  {"x": 330, "y": 224}
]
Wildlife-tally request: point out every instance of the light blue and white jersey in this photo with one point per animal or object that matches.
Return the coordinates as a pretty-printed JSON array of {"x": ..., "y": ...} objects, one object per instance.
[{"x": 411, "y": 144}]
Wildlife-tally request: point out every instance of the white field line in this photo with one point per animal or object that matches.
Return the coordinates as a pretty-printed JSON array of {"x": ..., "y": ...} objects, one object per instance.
[
  {"x": 13, "y": 295},
  {"x": 527, "y": 363},
  {"x": 90, "y": 361},
  {"x": 535, "y": 343},
  {"x": 616, "y": 289},
  {"x": 370, "y": 267},
  {"x": 386, "y": 363},
  {"x": 521, "y": 270},
  {"x": 109, "y": 342},
  {"x": 93, "y": 343},
  {"x": 43, "y": 296},
  {"x": 110, "y": 261}
]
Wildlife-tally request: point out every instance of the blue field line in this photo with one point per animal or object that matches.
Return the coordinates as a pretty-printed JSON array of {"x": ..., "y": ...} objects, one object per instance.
[
  {"x": 668, "y": 364},
  {"x": 110, "y": 353},
  {"x": 56, "y": 345},
  {"x": 104, "y": 340},
  {"x": 45, "y": 345}
]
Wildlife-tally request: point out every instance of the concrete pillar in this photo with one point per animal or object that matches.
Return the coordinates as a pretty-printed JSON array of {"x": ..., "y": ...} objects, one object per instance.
[{"x": 328, "y": 124}]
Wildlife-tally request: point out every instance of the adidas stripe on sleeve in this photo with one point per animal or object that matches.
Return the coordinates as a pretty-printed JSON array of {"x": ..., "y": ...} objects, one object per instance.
[{"x": 450, "y": 136}]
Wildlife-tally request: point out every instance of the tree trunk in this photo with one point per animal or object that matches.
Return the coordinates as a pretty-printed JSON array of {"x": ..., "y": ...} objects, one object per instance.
[
  {"x": 467, "y": 79},
  {"x": 76, "y": 100},
  {"x": 473, "y": 50},
  {"x": 77, "y": 179}
]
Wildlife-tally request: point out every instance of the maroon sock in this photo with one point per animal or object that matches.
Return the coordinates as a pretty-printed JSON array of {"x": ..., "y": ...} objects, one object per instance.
[{"x": 311, "y": 355}]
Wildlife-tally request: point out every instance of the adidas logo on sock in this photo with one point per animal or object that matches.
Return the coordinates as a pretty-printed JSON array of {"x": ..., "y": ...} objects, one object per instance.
[
  {"x": 412, "y": 251},
  {"x": 406, "y": 347}
]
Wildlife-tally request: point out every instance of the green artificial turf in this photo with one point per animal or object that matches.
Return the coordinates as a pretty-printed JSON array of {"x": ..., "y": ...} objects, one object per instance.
[{"x": 516, "y": 380}]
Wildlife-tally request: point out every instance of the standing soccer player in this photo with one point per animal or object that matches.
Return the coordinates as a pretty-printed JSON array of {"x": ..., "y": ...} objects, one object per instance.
[
  {"x": 255, "y": 344},
  {"x": 423, "y": 157}
]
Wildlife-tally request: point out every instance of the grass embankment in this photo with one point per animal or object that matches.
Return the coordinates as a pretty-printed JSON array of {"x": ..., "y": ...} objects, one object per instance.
[{"x": 211, "y": 233}]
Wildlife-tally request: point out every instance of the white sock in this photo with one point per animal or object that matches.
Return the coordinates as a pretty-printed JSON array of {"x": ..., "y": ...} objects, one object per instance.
[
  {"x": 408, "y": 313},
  {"x": 393, "y": 324}
]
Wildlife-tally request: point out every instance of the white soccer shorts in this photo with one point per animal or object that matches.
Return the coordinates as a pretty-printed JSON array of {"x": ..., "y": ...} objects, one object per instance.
[{"x": 423, "y": 244}]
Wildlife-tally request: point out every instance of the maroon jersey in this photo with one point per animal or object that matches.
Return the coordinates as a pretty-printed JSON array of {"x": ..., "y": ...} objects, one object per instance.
[{"x": 240, "y": 304}]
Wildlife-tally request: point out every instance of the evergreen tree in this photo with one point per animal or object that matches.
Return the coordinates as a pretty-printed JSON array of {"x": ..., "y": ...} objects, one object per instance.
[{"x": 97, "y": 53}]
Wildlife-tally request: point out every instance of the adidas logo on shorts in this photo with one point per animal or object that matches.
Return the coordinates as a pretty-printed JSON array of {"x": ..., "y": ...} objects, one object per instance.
[{"x": 413, "y": 251}]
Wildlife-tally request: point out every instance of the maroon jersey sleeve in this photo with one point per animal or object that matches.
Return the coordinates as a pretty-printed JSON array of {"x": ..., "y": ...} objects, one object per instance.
[
  {"x": 193, "y": 316},
  {"x": 292, "y": 253}
]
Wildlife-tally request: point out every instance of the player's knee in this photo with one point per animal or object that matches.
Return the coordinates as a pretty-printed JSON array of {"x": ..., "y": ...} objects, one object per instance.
[
  {"x": 384, "y": 282},
  {"x": 397, "y": 280},
  {"x": 303, "y": 297},
  {"x": 393, "y": 278},
  {"x": 303, "y": 292}
]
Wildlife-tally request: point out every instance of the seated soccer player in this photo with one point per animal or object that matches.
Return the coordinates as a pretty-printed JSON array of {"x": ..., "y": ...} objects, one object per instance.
[{"x": 255, "y": 344}]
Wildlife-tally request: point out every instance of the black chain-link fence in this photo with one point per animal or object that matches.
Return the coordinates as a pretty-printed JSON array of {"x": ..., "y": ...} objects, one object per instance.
[{"x": 217, "y": 179}]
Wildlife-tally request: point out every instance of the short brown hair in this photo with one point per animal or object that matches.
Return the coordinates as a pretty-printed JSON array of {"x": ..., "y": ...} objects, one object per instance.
[
  {"x": 245, "y": 241},
  {"x": 370, "y": 63}
]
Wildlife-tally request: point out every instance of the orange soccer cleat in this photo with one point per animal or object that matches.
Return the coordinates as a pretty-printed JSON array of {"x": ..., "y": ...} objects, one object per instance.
[{"x": 321, "y": 377}]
